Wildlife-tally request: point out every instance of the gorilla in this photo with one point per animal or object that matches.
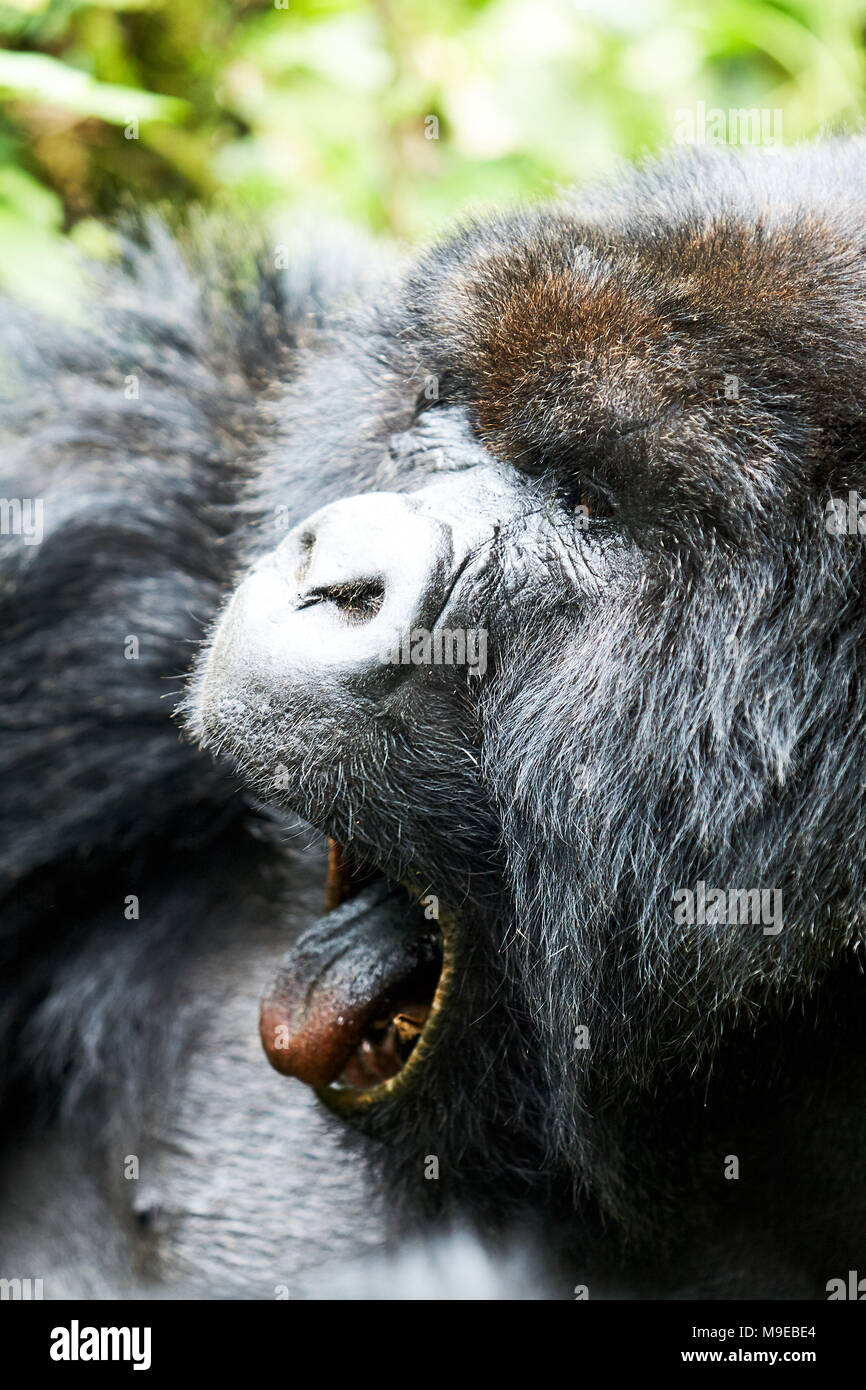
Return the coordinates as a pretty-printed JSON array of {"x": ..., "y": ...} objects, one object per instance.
[{"x": 520, "y": 767}]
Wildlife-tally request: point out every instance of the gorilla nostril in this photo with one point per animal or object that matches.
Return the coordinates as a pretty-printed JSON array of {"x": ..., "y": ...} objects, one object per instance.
[
  {"x": 359, "y": 602},
  {"x": 370, "y": 562},
  {"x": 306, "y": 545}
]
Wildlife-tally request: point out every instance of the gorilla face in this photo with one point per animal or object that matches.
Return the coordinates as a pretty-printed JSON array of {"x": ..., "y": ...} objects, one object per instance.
[
  {"x": 562, "y": 634},
  {"x": 349, "y": 674},
  {"x": 353, "y": 659}
]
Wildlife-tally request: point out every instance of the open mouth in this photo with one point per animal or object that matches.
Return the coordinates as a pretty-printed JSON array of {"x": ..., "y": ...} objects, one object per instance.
[{"x": 355, "y": 1001}]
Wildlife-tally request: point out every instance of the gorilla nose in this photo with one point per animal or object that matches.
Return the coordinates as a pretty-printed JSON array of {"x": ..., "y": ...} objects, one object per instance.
[
  {"x": 343, "y": 587},
  {"x": 368, "y": 554}
]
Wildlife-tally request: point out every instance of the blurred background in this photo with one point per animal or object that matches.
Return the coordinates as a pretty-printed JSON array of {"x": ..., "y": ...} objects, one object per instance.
[{"x": 392, "y": 114}]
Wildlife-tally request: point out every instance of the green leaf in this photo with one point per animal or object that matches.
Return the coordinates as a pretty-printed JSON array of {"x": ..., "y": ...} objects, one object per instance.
[
  {"x": 36, "y": 77},
  {"x": 27, "y": 198}
]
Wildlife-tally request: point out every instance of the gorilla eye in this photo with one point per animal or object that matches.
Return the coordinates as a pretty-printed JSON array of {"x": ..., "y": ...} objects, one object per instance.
[{"x": 588, "y": 506}]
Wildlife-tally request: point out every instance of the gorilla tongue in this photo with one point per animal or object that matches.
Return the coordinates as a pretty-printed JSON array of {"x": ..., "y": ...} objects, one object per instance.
[{"x": 352, "y": 995}]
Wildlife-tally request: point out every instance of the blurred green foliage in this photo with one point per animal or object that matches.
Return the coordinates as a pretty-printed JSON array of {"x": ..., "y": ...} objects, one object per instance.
[{"x": 391, "y": 113}]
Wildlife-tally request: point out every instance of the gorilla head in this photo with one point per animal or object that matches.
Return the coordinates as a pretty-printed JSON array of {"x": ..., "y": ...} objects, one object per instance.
[{"x": 562, "y": 654}]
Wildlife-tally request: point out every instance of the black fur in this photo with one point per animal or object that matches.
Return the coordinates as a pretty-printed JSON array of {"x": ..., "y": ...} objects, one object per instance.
[{"x": 695, "y": 713}]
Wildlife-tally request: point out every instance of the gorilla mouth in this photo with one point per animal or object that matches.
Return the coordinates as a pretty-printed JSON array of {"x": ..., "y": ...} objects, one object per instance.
[{"x": 354, "y": 1003}]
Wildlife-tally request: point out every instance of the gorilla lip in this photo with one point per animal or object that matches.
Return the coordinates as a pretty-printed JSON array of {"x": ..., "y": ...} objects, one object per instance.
[{"x": 349, "y": 1009}]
